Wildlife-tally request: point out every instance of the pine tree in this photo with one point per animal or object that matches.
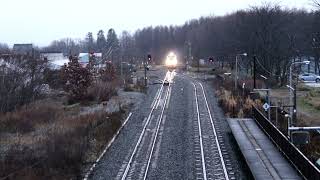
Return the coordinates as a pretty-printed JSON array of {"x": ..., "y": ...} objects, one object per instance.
[
  {"x": 113, "y": 45},
  {"x": 101, "y": 42},
  {"x": 90, "y": 44}
]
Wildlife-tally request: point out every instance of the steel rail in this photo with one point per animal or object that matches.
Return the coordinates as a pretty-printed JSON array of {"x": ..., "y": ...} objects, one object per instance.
[
  {"x": 204, "y": 171},
  {"x": 143, "y": 131}
]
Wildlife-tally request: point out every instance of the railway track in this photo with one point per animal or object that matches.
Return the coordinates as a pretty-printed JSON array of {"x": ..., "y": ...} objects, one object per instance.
[
  {"x": 138, "y": 162},
  {"x": 211, "y": 157}
]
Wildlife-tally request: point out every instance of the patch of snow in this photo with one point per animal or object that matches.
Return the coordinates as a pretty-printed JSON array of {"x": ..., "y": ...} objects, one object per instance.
[{"x": 57, "y": 64}]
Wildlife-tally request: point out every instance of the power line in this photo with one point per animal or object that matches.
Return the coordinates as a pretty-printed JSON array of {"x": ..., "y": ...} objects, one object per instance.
[{"x": 260, "y": 64}]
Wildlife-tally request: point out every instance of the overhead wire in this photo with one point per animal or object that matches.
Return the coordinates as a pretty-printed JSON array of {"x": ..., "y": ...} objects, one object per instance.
[{"x": 263, "y": 68}]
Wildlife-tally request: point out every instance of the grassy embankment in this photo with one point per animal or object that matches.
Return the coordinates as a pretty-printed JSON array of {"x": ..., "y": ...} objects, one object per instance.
[{"x": 49, "y": 139}]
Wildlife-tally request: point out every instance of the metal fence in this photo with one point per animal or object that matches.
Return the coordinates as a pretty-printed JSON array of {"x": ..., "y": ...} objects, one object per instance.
[{"x": 301, "y": 162}]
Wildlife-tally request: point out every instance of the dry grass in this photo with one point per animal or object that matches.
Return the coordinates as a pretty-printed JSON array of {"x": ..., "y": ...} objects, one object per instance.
[
  {"x": 102, "y": 91},
  {"x": 236, "y": 104},
  {"x": 25, "y": 120},
  {"x": 59, "y": 143}
]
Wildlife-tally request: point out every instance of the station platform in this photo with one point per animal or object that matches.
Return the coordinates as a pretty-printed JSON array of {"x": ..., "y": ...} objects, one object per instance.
[{"x": 262, "y": 156}]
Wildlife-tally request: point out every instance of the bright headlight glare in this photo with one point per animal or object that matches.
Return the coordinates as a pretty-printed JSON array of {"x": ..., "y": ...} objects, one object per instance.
[
  {"x": 171, "y": 59},
  {"x": 171, "y": 62}
]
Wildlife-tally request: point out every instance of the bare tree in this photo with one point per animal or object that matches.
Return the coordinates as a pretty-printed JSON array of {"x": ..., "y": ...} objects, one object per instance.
[
  {"x": 21, "y": 81},
  {"x": 316, "y": 3}
]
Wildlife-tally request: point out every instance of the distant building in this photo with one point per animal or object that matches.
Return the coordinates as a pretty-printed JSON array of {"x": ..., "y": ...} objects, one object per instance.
[
  {"x": 55, "y": 59},
  {"x": 51, "y": 56},
  {"x": 23, "y": 49},
  {"x": 84, "y": 58}
]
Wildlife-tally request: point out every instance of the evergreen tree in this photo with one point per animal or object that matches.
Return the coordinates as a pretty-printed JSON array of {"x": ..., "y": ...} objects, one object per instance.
[
  {"x": 101, "y": 42},
  {"x": 90, "y": 44},
  {"x": 113, "y": 45},
  {"x": 77, "y": 79}
]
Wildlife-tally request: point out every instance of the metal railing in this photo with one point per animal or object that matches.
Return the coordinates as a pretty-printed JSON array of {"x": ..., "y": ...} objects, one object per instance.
[{"x": 293, "y": 154}]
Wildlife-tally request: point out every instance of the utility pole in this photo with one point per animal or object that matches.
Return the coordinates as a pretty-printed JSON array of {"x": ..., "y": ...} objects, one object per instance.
[
  {"x": 316, "y": 47},
  {"x": 269, "y": 102},
  {"x": 236, "y": 74},
  {"x": 189, "y": 54},
  {"x": 121, "y": 71},
  {"x": 145, "y": 73},
  {"x": 291, "y": 92},
  {"x": 294, "y": 115},
  {"x": 254, "y": 71},
  {"x": 198, "y": 65},
  {"x": 292, "y": 89}
]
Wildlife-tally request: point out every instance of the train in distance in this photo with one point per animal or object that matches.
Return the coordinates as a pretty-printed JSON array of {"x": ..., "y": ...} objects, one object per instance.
[{"x": 171, "y": 61}]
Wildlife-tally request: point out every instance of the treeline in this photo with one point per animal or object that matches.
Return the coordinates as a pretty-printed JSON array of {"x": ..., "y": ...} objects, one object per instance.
[
  {"x": 275, "y": 35},
  {"x": 109, "y": 45}
]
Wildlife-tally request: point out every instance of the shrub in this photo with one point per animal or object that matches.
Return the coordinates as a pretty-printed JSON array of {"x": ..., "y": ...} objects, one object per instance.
[
  {"x": 53, "y": 78},
  {"x": 108, "y": 73},
  {"x": 303, "y": 88},
  {"x": 26, "y": 118},
  {"x": 65, "y": 150},
  {"x": 247, "y": 107},
  {"x": 102, "y": 91},
  {"x": 17, "y": 158},
  {"x": 62, "y": 148},
  {"x": 128, "y": 88},
  {"x": 20, "y": 85},
  {"x": 77, "y": 80},
  {"x": 228, "y": 102}
]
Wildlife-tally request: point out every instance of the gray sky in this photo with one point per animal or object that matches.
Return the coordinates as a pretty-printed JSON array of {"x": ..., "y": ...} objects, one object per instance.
[{"x": 41, "y": 21}]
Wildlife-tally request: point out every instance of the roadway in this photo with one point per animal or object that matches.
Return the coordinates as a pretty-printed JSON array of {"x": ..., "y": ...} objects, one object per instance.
[
  {"x": 312, "y": 84},
  {"x": 178, "y": 132}
]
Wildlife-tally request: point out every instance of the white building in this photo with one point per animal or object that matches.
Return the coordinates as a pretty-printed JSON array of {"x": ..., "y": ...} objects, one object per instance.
[
  {"x": 84, "y": 58},
  {"x": 55, "y": 60}
]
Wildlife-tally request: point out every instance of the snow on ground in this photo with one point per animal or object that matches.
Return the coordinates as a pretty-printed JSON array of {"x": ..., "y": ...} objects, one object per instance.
[{"x": 57, "y": 64}]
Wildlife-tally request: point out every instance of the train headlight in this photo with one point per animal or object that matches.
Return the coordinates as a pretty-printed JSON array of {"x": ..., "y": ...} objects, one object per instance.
[{"x": 171, "y": 60}]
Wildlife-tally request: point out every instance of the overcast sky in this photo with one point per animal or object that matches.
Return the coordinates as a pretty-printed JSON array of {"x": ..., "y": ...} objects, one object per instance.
[{"x": 41, "y": 21}]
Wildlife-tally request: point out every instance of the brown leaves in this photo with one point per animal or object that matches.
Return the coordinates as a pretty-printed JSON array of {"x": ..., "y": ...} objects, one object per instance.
[{"x": 77, "y": 79}]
